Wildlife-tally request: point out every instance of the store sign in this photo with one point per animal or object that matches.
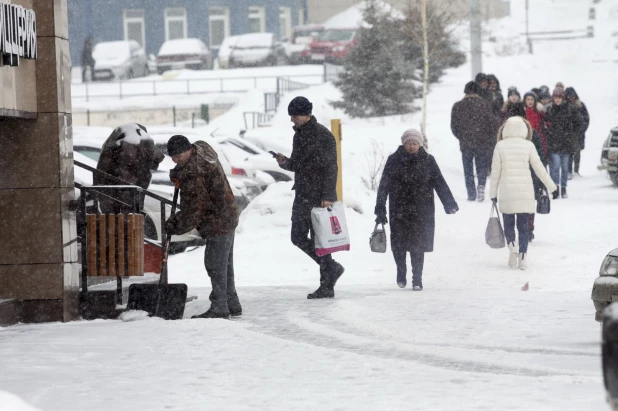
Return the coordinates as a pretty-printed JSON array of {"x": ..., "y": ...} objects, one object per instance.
[{"x": 17, "y": 34}]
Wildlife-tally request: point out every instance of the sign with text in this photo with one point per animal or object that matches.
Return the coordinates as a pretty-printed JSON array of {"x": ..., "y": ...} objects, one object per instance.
[{"x": 17, "y": 34}]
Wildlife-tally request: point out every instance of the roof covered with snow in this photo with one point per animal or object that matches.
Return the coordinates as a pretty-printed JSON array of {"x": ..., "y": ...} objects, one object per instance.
[{"x": 353, "y": 17}]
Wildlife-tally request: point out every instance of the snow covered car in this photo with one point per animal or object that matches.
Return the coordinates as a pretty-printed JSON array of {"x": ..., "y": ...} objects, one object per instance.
[
  {"x": 605, "y": 287},
  {"x": 119, "y": 60},
  {"x": 223, "y": 57},
  {"x": 609, "y": 156},
  {"x": 152, "y": 207},
  {"x": 332, "y": 45},
  {"x": 258, "y": 158},
  {"x": 298, "y": 46},
  {"x": 184, "y": 54},
  {"x": 257, "y": 49}
]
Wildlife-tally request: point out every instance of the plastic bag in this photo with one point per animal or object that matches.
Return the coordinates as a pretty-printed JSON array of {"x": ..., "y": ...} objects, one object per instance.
[{"x": 330, "y": 229}]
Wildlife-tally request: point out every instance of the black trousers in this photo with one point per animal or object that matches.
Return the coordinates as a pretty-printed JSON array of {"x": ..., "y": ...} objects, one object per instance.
[
  {"x": 482, "y": 161},
  {"x": 302, "y": 237},
  {"x": 417, "y": 259}
]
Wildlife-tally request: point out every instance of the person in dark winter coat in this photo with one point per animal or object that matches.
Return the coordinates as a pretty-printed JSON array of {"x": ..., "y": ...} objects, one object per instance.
[
  {"x": 573, "y": 98},
  {"x": 314, "y": 163},
  {"x": 495, "y": 94},
  {"x": 474, "y": 125},
  {"x": 409, "y": 179},
  {"x": 513, "y": 98},
  {"x": 87, "y": 59},
  {"x": 563, "y": 124},
  {"x": 128, "y": 155},
  {"x": 207, "y": 203}
]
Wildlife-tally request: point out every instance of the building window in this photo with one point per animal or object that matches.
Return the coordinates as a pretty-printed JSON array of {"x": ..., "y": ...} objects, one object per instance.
[
  {"x": 285, "y": 22},
  {"x": 257, "y": 20},
  {"x": 175, "y": 23},
  {"x": 134, "y": 26},
  {"x": 219, "y": 25}
]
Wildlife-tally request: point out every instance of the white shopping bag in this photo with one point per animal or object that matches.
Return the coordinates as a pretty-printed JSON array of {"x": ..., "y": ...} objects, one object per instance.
[{"x": 330, "y": 229}]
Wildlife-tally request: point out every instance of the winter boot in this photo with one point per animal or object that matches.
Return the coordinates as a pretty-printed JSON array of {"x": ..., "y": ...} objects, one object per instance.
[
  {"x": 513, "y": 254},
  {"x": 480, "y": 197},
  {"x": 555, "y": 195},
  {"x": 401, "y": 281},
  {"x": 334, "y": 272},
  {"x": 570, "y": 176},
  {"x": 236, "y": 311},
  {"x": 211, "y": 314},
  {"x": 563, "y": 193},
  {"x": 323, "y": 291},
  {"x": 417, "y": 288},
  {"x": 523, "y": 261}
]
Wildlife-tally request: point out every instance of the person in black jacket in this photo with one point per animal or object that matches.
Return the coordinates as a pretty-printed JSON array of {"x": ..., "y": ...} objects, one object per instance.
[
  {"x": 495, "y": 96},
  {"x": 87, "y": 59},
  {"x": 314, "y": 162},
  {"x": 573, "y": 98},
  {"x": 409, "y": 179}
]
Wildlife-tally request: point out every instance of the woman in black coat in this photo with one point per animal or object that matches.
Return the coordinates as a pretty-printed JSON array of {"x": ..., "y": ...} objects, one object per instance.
[{"x": 410, "y": 177}]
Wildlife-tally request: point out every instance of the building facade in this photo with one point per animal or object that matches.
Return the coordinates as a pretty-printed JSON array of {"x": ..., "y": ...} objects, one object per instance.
[
  {"x": 152, "y": 22},
  {"x": 318, "y": 11}
]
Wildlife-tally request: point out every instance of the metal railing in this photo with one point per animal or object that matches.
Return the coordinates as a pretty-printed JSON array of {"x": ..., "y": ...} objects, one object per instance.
[{"x": 255, "y": 119}]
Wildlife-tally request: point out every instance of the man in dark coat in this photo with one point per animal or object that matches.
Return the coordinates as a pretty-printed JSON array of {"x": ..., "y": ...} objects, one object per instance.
[
  {"x": 573, "y": 98},
  {"x": 208, "y": 204},
  {"x": 474, "y": 125},
  {"x": 409, "y": 179},
  {"x": 128, "y": 155},
  {"x": 494, "y": 94},
  {"x": 87, "y": 59},
  {"x": 483, "y": 86},
  {"x": 563, "y": 122},
  {"x": 314, "y": 162}
]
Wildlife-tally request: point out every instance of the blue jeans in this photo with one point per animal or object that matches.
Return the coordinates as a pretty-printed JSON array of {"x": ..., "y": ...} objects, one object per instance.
[
  {"x": 482, "y": 160},
  {"x": 522, "y": 228},
  {"x": 559, "y": 168}
]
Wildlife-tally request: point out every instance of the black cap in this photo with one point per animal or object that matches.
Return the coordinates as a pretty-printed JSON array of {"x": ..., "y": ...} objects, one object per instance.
[
  {"x": 471, "y": 88},
  {"x": 480, "y": 77},
  {"x": 300, "y": 106},
  {"x": 178, "y": 145}
]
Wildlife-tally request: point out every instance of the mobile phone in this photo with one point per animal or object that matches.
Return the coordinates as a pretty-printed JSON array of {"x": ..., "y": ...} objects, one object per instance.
[{"x": 275, "y": 155}]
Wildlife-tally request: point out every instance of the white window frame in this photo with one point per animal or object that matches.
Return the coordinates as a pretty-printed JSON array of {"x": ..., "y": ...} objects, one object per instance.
[
  {"x": 127, "y": 20},
  {"x": 258, "y": 12},
  {"x": 285, "y": 22},
  {"x": 169, "y": 19},
  {"x": 225, "y": 17}
]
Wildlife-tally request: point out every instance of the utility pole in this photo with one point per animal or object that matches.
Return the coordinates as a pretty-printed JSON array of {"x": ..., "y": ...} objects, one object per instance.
[
  {"x": 476, "y": 50},
  {"x": 528, "y": 30}
]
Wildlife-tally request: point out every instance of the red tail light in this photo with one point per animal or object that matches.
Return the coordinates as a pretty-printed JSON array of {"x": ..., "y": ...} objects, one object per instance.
[{"x": 238, "y": 172}]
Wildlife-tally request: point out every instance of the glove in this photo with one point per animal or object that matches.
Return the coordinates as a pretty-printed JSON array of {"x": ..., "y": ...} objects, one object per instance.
[
  {"x": 381, "y": 219},
  {"x": 170, "y": 226},
  {"x": 174, "y": 175},
  {"x": 494, "y": 200}
]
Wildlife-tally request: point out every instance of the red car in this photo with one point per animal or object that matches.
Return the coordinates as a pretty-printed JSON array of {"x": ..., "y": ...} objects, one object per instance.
[{"x": 332, "y": 45}]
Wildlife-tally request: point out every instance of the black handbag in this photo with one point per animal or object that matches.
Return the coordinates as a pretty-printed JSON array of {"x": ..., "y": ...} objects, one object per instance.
[{"x": 543, "y": 204}]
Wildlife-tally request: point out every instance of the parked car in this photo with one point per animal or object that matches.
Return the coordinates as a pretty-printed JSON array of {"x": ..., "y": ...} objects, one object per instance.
[
  {"x": 184, "y": 54},
  {"x": 119, "y": 60},
  {"x": 609, "y": 156},
  {"x": 605, "y": 287},
  {"x": 255, "y": 156},
  {"x": 223, "y": 57},
  {"x": 332, "y": 45},
  {"x": 257, "y": 49},
  {"x": 152, "y": 207},
  {"x": 299, "y": 42}
]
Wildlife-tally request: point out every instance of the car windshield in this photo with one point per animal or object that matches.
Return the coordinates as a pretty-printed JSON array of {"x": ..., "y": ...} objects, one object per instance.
[
  {"x": 336, "y": 35},
  {"x": 89, "y": 152}
]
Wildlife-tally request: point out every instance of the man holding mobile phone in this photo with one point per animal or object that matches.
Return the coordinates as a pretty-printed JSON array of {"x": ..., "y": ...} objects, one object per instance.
[{"x": 314, "y": 163}]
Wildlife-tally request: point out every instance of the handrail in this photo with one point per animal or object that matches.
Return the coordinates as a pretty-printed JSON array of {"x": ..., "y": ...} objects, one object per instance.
[{"x": 118, "y": 180}]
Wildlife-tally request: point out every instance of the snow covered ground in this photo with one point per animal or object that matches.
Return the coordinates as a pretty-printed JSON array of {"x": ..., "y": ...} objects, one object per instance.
[{"x": 472, "y": 340}]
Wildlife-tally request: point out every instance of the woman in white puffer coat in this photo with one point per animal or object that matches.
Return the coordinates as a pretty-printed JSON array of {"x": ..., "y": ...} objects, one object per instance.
[{"x": 511, "y": 183}]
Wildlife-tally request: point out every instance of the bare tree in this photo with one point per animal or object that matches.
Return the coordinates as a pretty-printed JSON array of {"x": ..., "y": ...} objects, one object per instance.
[{"x": 374, "y": 163}]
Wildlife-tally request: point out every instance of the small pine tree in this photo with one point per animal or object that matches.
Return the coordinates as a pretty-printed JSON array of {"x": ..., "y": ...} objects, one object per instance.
[{"x": 377, "y": 80}]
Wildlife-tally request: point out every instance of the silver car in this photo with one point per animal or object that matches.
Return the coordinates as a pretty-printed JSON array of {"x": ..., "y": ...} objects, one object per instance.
[
  {"x": 119, "y": 60},
  {"x": 605, "y": 287}
]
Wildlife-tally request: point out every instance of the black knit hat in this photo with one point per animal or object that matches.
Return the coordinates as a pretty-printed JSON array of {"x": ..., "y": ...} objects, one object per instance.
[
  {"x": 480, "y": 78},
  {"x": 471, "y": 88},
  {"x": 300, "y": 106},
  {"x": 516, "y": 109},
  {"x": 177, "y": 145},
  {"x": 571, "y": 93},
  {"x": 513, "y": 91}
]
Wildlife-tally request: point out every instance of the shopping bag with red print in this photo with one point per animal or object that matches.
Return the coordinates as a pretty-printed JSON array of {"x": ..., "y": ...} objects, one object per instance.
[{"x": 330, "y": 229}]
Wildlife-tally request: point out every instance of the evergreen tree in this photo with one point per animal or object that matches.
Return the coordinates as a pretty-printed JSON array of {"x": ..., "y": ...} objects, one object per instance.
[{"x": 377, "y": 80}]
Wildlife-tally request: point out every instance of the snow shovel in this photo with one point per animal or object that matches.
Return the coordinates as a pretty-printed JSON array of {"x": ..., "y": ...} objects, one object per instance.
[{"x": 160, "y": 300}]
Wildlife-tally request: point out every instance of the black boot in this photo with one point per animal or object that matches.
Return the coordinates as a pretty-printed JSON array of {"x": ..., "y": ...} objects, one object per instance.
[
  {"x": 323, "y": 291},
  {"x": 211, "y": 314},
  {"x": 335, "y": 271},
  {"x": 563, "y": 193}
]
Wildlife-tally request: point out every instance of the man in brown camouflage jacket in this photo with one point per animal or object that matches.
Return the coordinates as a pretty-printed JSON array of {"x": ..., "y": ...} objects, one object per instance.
[{"x": 207, "y": 202}]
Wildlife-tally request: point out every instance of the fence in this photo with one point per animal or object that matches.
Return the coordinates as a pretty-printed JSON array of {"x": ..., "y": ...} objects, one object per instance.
[
  {"x": 561, "y": 34},
  {"x": 332, "y": 72},
  {"x": 170, "y": 115},
  {"x": 255, "y": 119}
]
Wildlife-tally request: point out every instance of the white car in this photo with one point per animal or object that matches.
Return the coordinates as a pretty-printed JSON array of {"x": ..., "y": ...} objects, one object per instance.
[
  {"x": 223, "y": 57},
  {"x": 257, "y": 49},
  {"x": 119, "y": 60},
  {"x": 184, "y": 54},
  {"x": 257, "y": 157},
  {"x": 152, "y": 207}
]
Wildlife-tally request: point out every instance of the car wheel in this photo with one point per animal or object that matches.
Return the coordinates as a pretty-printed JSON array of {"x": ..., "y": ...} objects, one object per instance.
[{"x": 613, "y": 175}]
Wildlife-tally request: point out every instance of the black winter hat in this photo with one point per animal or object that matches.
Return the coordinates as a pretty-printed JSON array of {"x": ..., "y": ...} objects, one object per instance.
[
  {"x": 480, "y": 78},
  {"x": 571, "y": 93},
  {"x": 513, "y": 90},
  {"x": 516, "y": 109},
  {"x": 177, "y": 145},
  {"x": 300, "y": 106},
  {"x": 471, "y": 88}
]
